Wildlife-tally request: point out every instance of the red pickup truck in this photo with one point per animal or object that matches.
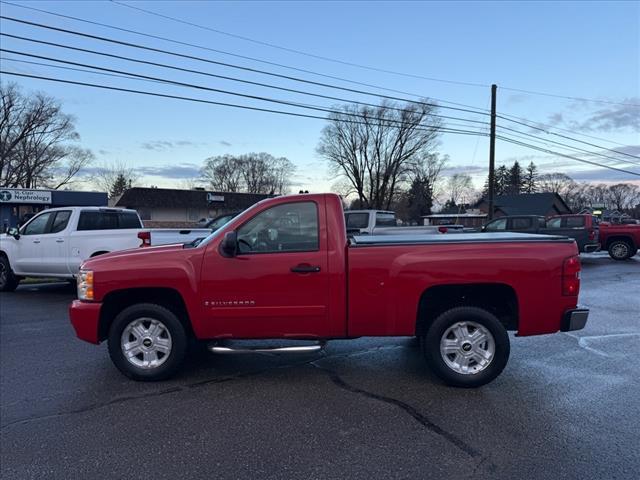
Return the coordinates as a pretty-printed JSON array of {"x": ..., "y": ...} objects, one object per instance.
[
  {"x": 285, "y": 269},
  {"x": 620, "y": 240}
]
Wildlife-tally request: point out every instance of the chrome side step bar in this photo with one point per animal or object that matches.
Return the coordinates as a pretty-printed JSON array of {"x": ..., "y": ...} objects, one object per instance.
[{"x": 216, "y": 348}]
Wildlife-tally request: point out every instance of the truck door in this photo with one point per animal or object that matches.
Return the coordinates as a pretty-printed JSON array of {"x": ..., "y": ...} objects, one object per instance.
[
  {"x": 54, "y": 245},
  {"x": 28, "y": 247},
  {"x": 277, "y": 285}
]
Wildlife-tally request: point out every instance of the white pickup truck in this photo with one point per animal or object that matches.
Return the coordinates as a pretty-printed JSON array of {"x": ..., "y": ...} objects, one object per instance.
[
  {"x": 382, "y": 222},
  {"x": 56, "y": 241}
]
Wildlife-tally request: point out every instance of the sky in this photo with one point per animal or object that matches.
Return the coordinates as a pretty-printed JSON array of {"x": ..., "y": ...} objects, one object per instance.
[{"x": 449, "y": 52}]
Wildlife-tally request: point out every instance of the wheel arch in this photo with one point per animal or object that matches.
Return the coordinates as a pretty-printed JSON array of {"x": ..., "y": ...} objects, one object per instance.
[
  {"x": 116, "y": 301},
  {"x": 625, "y": 238},
  {"x": 498, "y": 298}
]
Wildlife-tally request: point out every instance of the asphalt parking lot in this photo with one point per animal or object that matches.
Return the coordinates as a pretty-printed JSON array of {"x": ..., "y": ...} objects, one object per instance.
[{"x": 567, "y": 405}]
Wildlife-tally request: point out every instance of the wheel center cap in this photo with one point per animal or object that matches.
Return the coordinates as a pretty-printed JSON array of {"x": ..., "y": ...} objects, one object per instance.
[
  {"x": 466, "y": 347},
  {"x": 147, "y": 342}
]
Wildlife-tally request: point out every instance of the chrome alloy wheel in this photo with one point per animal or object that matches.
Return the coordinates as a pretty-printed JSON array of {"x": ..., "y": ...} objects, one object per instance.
[
  {"x": 146, "y": 343},
  {"x": 620, "y": 250},
  {"x": 467, "y": 347}
]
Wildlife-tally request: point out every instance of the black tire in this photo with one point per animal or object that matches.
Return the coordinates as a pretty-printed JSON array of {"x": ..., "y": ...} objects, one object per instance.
[
  {"x": 176, "y": 333},
  {"x": 438, "y": 329},
  {"x": 8, "y": 281},
  {"x": 620, "y": 250}
]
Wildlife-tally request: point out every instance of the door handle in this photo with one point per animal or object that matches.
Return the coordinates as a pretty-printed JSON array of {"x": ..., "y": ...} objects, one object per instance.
[
  {"x": 59, "y": 240},
  {"x": 36, "y": 241},
  {"x": 305, "y": 268}
]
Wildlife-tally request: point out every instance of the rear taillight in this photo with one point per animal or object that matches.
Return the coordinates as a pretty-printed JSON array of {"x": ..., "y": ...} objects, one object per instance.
[
  {"x": 146, "y": 238},
  {"x": 443, "y": 229},
  {"x": 571, "y": 276}
]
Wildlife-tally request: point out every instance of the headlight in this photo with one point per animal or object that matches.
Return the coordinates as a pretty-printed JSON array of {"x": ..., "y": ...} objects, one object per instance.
[{"x": 85, "y": 285}]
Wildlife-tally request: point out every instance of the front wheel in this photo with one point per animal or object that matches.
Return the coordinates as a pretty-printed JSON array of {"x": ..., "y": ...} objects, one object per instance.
[
  {"x": 147, "y": 342},
  {"x": 466, "y": 347},
  {"x": 620, "y": 250},
  {"x": 8, "y": 281}
]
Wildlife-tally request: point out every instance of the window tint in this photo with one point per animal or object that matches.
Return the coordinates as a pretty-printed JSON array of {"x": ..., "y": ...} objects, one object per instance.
[
  {"x": 357, "y": 220},
  {"x": 385, "y": 220},
  {"x": 292, "y": 227},
  {"x": 554, "y": 223},
  {"x": 98, "y": 221},
  {"x": 60, "y": 221},
  {"x": 575, "y": 222},
  {"x": 521, "y": 223},
  {"x": 38, "y": 225},
  {"x": 500, "y": 224},
  {"x": 128, "y": 220}
]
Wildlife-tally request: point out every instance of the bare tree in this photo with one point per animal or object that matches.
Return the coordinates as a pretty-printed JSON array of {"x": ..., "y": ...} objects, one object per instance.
[
  {"x": 251, "y": 173},
  {"x": 112, "y": 177},
  {"x": 460, "y": 188},
  {"x": 35, "y": 136},
  {"x": 377, "y": 149},
  {"x": 223, "y": 173},
  {"x": 623, "y": 196}
]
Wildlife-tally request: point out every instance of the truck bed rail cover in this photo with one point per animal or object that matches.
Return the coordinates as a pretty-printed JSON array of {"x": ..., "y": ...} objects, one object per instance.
[{"x": 507, "y": 237}]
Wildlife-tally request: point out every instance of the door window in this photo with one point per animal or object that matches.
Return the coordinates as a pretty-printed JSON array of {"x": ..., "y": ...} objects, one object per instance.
[
  {"x": 60, "y": 221},
  {"x": 291, "y": 227},
  {"x": 357, "y": 220},
  {"x": 554, "y": 223},
  {"x": 38, "y": 225},
  {"x": 575, "y": 222},
  {"x": 496, "y": 225},
  {"x": 521, "y": 224},
  {"x": 385, "y": 220}
]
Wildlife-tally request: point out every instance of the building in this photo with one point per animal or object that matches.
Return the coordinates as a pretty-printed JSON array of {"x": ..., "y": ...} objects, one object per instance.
[
  {"x": 18, "y": 205},
  {"x": 545, "y": 204},
  {"x": 167, "y": 207}
]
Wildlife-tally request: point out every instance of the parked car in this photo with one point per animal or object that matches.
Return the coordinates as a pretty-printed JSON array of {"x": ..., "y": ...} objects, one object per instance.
[
  {"x": 582, "y": 228},
  {"x": 620, "y": 240},
  {"x": 55, "y": 242},
  {"x": 285, "y": 269},
  {"x": 383, "y": 222}
]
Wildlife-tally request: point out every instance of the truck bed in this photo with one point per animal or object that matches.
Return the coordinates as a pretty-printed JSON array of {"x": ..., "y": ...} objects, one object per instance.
[{"x": 508, "y": 237}]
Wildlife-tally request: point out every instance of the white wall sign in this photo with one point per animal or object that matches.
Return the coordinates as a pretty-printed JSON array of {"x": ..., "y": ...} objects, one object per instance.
[
  {"x": 212, "y": 197},
  {"x": 14, "y": 195}
]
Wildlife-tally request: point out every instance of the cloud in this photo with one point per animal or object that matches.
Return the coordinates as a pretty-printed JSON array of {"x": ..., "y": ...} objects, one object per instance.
[
  {"x": 104, "y": 152},
  {"x": 516, "y": 98},
  {"x": 224, "y": 143},
  {"x": 616, "y": 117},
  {"x": 164, "y": 145},
  {"x": 178, "y": 171},
  {"x": 468, "y": 169}
]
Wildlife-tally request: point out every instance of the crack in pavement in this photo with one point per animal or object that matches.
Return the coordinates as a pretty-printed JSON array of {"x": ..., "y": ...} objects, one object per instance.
[{"x": 419, "y": 417}]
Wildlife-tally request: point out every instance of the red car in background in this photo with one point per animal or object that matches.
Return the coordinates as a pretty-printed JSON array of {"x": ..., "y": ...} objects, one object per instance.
[{"x": 620, "y": 240}]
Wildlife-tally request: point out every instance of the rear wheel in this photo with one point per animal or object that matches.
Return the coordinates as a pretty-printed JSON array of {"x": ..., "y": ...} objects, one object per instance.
[
  {"x": 147, "y": 342},
  {"x": 8, "y": 281},
  {"x": 466, "y": 347},
  {"x": 620, "y": 250}
]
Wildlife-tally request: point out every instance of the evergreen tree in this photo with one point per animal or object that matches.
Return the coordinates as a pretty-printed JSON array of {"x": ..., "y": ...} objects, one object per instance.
[
  {"x": 120, "y": 184},
  {"x": 514, "y": 184},
  {"x": 501, "y": 180},
  {"x": 530, "y": 179},
  {"x": 419, "y": 198}
]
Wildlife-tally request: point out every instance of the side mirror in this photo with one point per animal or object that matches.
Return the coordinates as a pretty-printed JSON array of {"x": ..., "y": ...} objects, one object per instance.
[
  {"x": 14, "y": 232},
  {"x": 229, "y": 245}
]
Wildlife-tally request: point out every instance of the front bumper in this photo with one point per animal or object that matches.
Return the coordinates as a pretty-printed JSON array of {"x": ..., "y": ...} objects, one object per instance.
[
  {"x": 85, "y": 318},
  {"x": 574, "y": 319}
]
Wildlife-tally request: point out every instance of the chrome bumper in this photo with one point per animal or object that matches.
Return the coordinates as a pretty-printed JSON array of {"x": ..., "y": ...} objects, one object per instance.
[{"x": 574, "y": 319}]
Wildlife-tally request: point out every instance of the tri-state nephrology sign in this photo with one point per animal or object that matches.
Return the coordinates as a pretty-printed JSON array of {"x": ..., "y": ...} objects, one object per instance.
[{"x": 14, "y": 195}]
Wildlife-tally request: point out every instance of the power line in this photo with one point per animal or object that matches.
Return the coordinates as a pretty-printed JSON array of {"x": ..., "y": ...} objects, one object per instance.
[
  {"x": 299, "y": 52},
  {"x": 245, "y": 57},
  {"x": 253, "y": 70},
  {"x": 224, "y": 104},
  {"x": 566, "y": 97},
  {"x": 551, "y": 152},
  {"x": 547, "y": 141},
  {"x": 199, "y": 72},
  {"x": 567, "y": 137},
  {"x": 295, "y": 114},
  {"x": 352, "y": 64}
]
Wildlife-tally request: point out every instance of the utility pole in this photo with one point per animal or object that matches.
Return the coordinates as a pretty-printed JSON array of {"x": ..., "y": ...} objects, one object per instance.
[{"x": 492, "y": 151}]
